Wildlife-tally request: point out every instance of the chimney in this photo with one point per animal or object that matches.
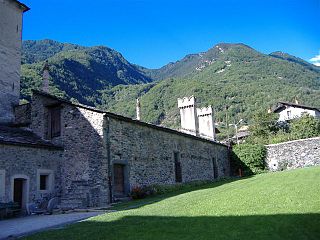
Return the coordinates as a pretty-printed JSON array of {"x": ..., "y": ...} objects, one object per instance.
[
  {"x": 138, "y": 109},
  {"x": 269, "y": 110},
  {"x": 296, "y": 100},
  {"x": 45, "y": 78}
]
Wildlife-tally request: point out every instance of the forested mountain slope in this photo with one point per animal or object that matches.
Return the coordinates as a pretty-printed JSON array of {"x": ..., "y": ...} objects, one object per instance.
[{"x": 233, "y": 78}]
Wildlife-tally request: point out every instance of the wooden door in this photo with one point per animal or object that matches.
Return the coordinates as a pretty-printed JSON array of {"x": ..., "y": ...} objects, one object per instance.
[
  {"x": 118, "y": 173},
  {"x": 18, "y": 191}
]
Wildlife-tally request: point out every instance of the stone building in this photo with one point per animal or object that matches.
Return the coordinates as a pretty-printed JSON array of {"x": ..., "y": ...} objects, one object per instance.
[
  {"x": 51, "y": 147},
  {"x": 11, "y": 13},
  {"x": 289, "y": 111}
]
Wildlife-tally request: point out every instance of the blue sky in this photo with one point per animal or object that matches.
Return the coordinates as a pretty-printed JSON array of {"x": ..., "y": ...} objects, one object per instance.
[{"x": 152, "y": 33}]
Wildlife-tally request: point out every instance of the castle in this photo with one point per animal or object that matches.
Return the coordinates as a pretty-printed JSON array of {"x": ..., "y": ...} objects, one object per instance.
[{"x": 86, "y": 157}]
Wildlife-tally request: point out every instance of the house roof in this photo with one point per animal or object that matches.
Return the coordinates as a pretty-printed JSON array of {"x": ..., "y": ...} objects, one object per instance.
[
  {"x": 123, "y": 118},
  {"x": 22, "y": 137},
  {"x": 241, "y": 134},
  {"x": 23, "y": 6},
  {"x": 282, "y": 105}
]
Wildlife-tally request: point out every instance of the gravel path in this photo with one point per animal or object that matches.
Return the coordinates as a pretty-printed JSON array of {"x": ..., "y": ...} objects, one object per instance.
[{"x": 25, "y": 225}]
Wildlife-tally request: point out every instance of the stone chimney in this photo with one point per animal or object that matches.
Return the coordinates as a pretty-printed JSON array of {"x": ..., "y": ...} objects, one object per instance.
[
  {"x": 138, "y": 109},
  {"x": 188, "y": 115},
  {"x": 45, "y": 78}
]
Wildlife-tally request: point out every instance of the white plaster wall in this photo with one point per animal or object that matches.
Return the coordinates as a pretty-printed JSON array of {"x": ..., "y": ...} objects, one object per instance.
[
  {"x": 10, "y": 57},
  {"x": 206, "y": 128},
  {"x": 296, "y": 113},
  {"x": 188, "y": 118}
]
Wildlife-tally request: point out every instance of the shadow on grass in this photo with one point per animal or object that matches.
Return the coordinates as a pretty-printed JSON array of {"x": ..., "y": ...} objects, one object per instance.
[
  {"x": 185, "y": 188},
  {"x": 282, "y": 226}
]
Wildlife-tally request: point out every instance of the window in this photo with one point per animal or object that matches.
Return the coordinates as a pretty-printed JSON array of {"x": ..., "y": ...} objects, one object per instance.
[
  {"x": 44, "y": 182},
  {"x": 289, "y": 114},
  {"x": 177, "y": 167},
  {"x": 54, "y": 124}
]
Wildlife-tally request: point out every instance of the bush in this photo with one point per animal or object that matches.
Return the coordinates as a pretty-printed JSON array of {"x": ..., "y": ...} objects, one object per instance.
[
  {"x": 250, "y": 158},
  {"x": 138, "y": 193}
]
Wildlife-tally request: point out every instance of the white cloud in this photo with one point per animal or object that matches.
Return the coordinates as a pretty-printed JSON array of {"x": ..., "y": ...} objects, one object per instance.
[{"x": 316, "y": 60}]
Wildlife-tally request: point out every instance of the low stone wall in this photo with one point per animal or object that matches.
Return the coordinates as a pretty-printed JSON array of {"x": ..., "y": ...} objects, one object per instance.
[{"x": 293, "y": 154}]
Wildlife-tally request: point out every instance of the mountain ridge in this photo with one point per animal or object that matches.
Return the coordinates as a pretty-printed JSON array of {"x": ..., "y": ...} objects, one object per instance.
[{"x": 232, "y": 76}]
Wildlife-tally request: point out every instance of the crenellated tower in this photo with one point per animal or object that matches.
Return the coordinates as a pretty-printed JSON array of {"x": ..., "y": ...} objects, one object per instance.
[
  {"x": 188, "y": 115},
  {"x": 206, "y": 122},
  {"x": 196, "y": 121}
]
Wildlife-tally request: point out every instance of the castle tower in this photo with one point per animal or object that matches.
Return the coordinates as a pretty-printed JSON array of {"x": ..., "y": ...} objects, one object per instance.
[
  {"x": 188, "y": 115},
  {"x": 206, "y": 122},
  {"x": 11, "y": 13}
]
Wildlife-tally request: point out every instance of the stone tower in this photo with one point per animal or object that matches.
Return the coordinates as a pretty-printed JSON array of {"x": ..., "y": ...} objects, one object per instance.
[
  {"x": 188, "y": 115},
  {"x": 206, "y": 122},
  {"x": 196, "y": 121},
  {"x": 11, "y": 13}
]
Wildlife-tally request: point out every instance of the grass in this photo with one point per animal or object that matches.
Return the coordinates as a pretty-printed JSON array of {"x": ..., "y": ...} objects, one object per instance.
[{"x": 282, "y": 205}]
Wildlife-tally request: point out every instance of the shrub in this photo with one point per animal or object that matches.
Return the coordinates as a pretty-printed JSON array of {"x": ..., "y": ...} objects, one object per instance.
[
  {"x": 138, "y": 193},
  {"x": 250, "y": 158}
]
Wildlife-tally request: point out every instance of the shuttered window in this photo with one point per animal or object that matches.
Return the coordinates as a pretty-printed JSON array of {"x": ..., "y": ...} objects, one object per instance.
[{"x": 54, "y": 121}]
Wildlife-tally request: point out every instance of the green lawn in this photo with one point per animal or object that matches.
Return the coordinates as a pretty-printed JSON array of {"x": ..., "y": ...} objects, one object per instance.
[{"x": 283, "y": 205}]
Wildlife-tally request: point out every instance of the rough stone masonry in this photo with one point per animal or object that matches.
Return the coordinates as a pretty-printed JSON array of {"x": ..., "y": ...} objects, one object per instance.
[{"x": 293, "y": 154}]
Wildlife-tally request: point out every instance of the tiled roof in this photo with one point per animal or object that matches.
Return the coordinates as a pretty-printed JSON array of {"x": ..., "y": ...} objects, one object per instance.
[
  {"x": 17, "y": 136},
  {"x": 281, "y": 105}
]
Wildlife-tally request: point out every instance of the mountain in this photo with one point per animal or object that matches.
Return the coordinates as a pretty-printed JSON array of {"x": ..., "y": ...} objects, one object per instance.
[
  {"x": 77, "y": 72},
  {"x": 191, "y": 63},
  {"x": 290, "y": 58},
  {"x": 234, "y": 78}
]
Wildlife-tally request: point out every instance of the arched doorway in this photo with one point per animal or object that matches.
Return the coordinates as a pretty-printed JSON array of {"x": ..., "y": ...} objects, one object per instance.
[{"x": 20, "y": 190}]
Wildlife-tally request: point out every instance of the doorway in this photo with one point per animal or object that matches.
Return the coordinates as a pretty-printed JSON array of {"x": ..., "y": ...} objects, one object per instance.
[
  {"x": 20, "y": 192},
  {"x": 118, "y": 173}
]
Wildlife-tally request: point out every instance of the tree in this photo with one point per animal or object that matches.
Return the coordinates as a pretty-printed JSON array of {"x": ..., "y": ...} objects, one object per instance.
[
  {"x": 305, "y": 127},
  {"x": 264, "y": 124}
]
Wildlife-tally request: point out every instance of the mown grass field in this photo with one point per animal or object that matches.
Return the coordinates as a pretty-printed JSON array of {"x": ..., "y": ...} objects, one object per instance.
[{"x": 282, "y": 205}]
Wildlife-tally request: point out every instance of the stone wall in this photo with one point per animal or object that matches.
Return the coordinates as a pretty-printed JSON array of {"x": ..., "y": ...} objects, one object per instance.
[
  {"x": 84, "y": 166},
  {"x": 10, "y": 57},
  {"x": 22, "y": 114},
  {"x": 148, "y": 153},
  {"x": 24, "y": 162},
  {"x": 293, "y": 154},
  {"x": 93, "y": 140}
]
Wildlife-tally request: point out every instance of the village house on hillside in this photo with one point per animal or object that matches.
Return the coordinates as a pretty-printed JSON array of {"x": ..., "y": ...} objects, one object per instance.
[
  {"x": 52, "y": 148},
  {"x": 289, "y": 111}
]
